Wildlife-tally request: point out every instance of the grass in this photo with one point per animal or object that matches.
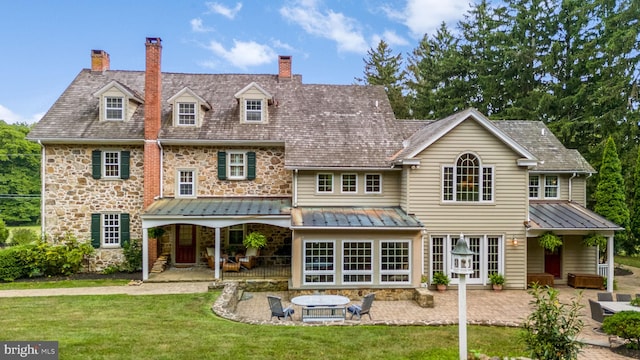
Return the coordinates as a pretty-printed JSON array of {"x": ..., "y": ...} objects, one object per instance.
[
  {"x": 22, "y": 285},
  {"x": 183, "y": 327},
  {"x": 633, "y": 261}
]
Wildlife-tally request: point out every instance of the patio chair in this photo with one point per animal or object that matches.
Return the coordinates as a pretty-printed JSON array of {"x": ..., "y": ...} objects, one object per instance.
[
  {"x": 275, "y": 305},
  {"x": 230, "y": 265},
  {"x": 597, "y": 312},
  {"x": 250, "y": 259},
  {"x": 365, "y": 308},
  {"x": 623, "y": 297},
  {"x": 605, "y": 296}
]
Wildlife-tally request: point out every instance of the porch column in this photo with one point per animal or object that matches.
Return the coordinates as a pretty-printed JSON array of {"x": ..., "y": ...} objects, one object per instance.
[
  {"x": 217, "y": 256},
  {"x": 145, "y": 254},
  {"x": 610, "y": 263}
]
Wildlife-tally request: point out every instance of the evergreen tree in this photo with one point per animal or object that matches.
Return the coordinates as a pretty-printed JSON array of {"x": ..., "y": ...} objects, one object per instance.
[
  {"x": 634, "y": 222},
  {"x": 384, "y": 68},
  {"x": 610, "y": 195}
]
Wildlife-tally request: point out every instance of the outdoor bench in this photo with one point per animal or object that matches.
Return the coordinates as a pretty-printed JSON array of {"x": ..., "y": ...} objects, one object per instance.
[
  {"x": 323, "y": 313},
  {"x": 542, "y": 279},
  {"x": 589, "y": 281}
]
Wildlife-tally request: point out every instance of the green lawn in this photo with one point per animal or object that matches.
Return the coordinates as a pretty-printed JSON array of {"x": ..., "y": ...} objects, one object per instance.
[
  {"x": 22, "y": 285},
  {"x": 628, "y": 260},
  {"x": 183, "y": 327}
]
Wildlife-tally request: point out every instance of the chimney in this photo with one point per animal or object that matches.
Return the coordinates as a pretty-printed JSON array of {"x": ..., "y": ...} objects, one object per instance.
[
  {"x": 284, "y": 67},
  {"x": 152, "y": 120},
  {"x": 99, "y": 60}
]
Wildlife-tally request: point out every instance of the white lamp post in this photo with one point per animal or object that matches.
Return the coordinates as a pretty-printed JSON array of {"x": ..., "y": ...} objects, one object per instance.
[{"x": 462, "y": 264}]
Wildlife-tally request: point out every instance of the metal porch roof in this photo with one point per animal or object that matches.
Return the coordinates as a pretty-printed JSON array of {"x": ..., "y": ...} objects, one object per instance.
[
  {"x": 565, "y": 215},
  {"x": 353, "y": 217},
  {"x": 218, "y": 206}
]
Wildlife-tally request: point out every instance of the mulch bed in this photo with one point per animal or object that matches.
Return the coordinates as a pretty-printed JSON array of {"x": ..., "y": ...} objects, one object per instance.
[{"x": 85, "y": 276}]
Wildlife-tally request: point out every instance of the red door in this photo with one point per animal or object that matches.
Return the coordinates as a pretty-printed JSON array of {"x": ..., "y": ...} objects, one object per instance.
[
  {"x": 553, "y": 262},
  {"x": 185, "y": 244}
]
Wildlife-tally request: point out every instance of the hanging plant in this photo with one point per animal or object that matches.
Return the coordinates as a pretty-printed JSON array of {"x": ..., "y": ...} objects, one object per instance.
[
  {"x": 156, "y": 232},
  {"x": 255, "y": 240},
  {"x": 596, "y": 240},
  {"x": 550, "y": 241}
]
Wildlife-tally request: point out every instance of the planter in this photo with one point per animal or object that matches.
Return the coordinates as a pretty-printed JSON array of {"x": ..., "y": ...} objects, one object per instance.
[
  {"x": 441, "y": 287},
  {"x": 497, "y": 287}
]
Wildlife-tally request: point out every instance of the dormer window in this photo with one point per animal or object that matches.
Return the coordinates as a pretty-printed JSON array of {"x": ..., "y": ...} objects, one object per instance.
[
  {"x": 188, "y": 108},
  {"x": 114, "y": 108},
  {"x": 186, "y": 113},
  {"x": 253, "y": 110}
]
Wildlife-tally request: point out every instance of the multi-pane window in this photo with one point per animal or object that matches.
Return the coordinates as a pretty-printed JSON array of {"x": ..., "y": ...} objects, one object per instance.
[
  {"x": 111, "y": 163},
  {"x": 237, "y": 165},
  {"x": 487, "y": 258},
  {"x": 186, "y": 113},
  {"x": 534, "y": 186},
  {"x": 394, "y": 262},
  {"x": 236, "y": 234},
  {"x": 349, "y": 183},
  {"x": 437, "y": 254},
  {"x": 253, "y": 110},
  {"x": 111, "y": 230},
  {"x": 373, "y": 183},
  {"x": 467, "y": 181},
  {"x": 551, "y": 186},
  {"x": 325, "y": 183},
  {"x": 493, "y": 255},
  {"x": 113, "y": 108},
  {"x": 186, "y": 183},
  {"x": 319, "y": 262},
  {"x": 357, "y": 262}
]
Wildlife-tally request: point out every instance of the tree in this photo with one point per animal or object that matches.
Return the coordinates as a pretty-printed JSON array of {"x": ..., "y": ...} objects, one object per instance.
[
  {"x": 635, "y": 207},
  {"x": 610, "y": 195},
  {"x": 384, "y": 68}
]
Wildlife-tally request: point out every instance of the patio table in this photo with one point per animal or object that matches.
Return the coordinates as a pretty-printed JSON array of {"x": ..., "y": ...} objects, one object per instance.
[
  {"x": 320, "y": 300},
  {"x": 617, "y": 306},
  {"x": 321, "y": 307}
]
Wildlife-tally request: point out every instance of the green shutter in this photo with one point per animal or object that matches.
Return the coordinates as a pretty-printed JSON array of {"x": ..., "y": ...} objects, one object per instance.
[
  {"x": 95, "y": 230},
  {"x": 124, "y": 164},
  {"x": 124, "y": 229},
  {"x": 222, "y": 165},
  {"x": 251, "y": 165},
  {"x": 96, "y": 163}
]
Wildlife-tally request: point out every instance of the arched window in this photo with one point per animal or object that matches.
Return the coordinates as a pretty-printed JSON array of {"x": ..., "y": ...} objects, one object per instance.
[{"x": 468, "y": 180}]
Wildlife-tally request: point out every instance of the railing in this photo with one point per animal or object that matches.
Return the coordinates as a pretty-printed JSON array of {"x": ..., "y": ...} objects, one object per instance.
[
  {"x": 603, "y": 270},
  {"x": 268, "y": 267}
]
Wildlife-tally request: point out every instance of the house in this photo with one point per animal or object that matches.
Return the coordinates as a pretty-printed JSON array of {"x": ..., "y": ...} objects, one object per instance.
[{"x": 358, "y": 198}]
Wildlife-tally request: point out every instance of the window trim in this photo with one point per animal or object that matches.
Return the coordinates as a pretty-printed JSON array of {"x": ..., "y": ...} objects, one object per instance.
[
  {"x": 370, "y": 272},
  {"x": 234, "y": 228},
  {"x": 193, "y": 183},
  {"x": 451, "y": 184},
  {"x": 402, "y": 272},
  {"x": 117, "y": 231},
  {"x": 181, "y": 113},
  {"x": 536, "y": 186},
  {"x": 342, "y": 183},
  {"x": 366, "y": 181},
  {"x": 306, "y": 272},
  {"x": 103, "y": 164},
  {"x": 248, "y": 111},
  {"x": 107, "y": 108},
  {"x": 556, "y": 186},
  {"x": 230, "y": 175},
  {"x": 330, "y": 178}
]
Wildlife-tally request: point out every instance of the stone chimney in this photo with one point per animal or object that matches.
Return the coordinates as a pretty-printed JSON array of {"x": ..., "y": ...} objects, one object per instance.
[
  {"x": 99, "y": 60},
  {"x": 284, "y": 67},
  {"x": 152, "y": 120}
]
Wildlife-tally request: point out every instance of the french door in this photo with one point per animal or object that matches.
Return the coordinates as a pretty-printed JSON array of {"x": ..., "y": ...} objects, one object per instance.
[{"x": 487, "y": 259}]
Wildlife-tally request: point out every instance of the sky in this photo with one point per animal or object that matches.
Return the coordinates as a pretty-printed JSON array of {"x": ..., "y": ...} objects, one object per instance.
[{"x": 44, "y": 44}]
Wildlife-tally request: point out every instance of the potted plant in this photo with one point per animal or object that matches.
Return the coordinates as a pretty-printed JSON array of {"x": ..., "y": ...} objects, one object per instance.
[
  {"x": 441, "y": 280},
  {"x": 424, "y": 280},
  {"x": 497, "y": 281}
]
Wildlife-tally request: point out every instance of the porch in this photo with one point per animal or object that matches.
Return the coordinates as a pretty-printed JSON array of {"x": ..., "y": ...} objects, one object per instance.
[{"x": 267, "y": 269}]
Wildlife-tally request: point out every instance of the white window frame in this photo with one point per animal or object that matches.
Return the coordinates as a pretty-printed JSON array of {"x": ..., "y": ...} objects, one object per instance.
[
  {"x": 187, "y": 116},
  {"x": 328, "y": 182},
  {"x": 448, "y": 243},
  {"x": 348, "y": 184},
  {"x": 534, "y": 187},
  {"x": 242, "y": 228},
  {"x": 357, "y": 272},
  {"x": 110, "y": 225},
  {"x": 329, "y": 273},
  {"x": 366, "y": 183},
  {"x": 233, "y": 165},
  {"x": 556, "y": 186},
  {"x": 109, "y": 107},
  {"x": 394, "y": 272},
  {"x": 108, "y": 172},
  {"x": 451, "y": 184},
  {"x": 180, "y": 182},
  {"x": 250, "y": 108}
]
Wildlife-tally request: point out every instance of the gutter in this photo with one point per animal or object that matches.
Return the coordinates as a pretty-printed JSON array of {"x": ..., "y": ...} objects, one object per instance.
[
  {"x": 570, "y": 187},
  {"x": 295, "y": 188},
  {"x": 361, "y": 228}
]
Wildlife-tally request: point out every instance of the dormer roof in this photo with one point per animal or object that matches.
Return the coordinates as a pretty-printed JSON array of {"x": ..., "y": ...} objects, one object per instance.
[
  {"x": 253, "y": 85},
  {"x": 204, "y": 103},
  {"x": 128, "y": 92}
]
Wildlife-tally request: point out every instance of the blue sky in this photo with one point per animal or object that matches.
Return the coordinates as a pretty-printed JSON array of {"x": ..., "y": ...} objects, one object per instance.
[{"x": 45, "y": 44}]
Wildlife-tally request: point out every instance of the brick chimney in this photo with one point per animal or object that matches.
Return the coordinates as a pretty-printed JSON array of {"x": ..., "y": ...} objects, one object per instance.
[
  {"x": 284, "y": 67},
  {"x": 99, "y": 60},
  {"x": 152, "y": 119}
]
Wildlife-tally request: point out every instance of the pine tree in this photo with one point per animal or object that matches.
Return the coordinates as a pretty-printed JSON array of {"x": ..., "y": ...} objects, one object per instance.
[
  {"x": 610, "y": 195},
  {"x": 635, "y": 209}
]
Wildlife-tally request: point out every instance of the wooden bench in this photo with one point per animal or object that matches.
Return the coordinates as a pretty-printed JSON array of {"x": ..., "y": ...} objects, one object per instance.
[
  {"x": 323, "y": 313},
  {"x": 543, "y": 279},
  {"x": 589, "y": 281}
]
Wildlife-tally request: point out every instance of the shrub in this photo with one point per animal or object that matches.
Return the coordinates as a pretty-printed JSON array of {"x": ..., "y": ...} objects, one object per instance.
[
  {"x": 4, "y": 233},
  {"x": 62, "y": 257},
  {"x": 550, "y": 331},
  {"x": 12, "y": 264},
  {"x": 23, "y": 236},
  {"x": 625, "y": 324},
  {"x": 133, "y": 255}
]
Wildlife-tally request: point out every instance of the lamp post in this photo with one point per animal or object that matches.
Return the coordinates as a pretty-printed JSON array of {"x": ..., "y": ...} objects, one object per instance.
[{"x": 462, "y": 264}]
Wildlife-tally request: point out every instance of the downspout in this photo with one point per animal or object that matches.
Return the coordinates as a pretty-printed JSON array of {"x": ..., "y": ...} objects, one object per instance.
[
  {"x": 295, "y": 188},
  {"x": 161, "y": 169},
  {"x": 570, "y": 187},
  {"x": 42, "y": 188}
]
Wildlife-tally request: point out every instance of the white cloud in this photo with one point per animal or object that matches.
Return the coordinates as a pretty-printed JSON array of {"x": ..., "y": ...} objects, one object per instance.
[
  {"x": 328, "y": 24},
  {"x": 196, "y": 26},
  {"x": 224, "y": 10},
  {"x": 425, "y": 16},
  {"x": 244, "y": 54},
  {"x": 11, "y": 118},
  {"x": 390, "y": 37}
]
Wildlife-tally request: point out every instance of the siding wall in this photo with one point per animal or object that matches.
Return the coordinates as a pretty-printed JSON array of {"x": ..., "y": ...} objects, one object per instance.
[{"x": 390, "y": 196}]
